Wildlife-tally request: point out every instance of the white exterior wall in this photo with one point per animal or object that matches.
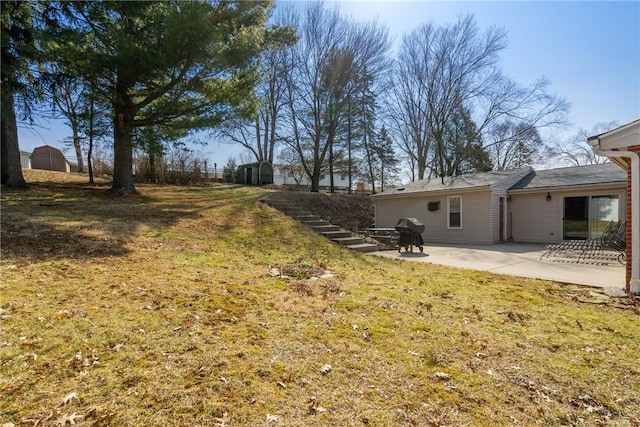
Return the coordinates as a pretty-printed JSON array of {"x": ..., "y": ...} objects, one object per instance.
[
  {"x": 477, "y": 220},
  {"x": 25, "y": 161},
  {"x": 340, "y": 182},
  {"x": 500, "y": 189},
  {"x": 388, "y": 211},
  {"x": 476, "y": 216},
  {"x": 533, "y": 219}
]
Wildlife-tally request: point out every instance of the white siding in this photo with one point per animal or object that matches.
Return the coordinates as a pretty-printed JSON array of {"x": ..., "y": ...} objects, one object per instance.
[
  {"x": 25, "y": 161},
  {"x": 500, "y": 189},
  {"x": 533, "y": 219},
  {"x": 476, "y": 220},
  {"x": 476, "y": 217},
  {"x": 495, "y": 218},
  {"x": 388, "y": 211}
]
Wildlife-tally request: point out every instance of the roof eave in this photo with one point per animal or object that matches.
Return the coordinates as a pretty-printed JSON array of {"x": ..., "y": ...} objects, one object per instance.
[
  {"x": 572, "y": 187},
  {"x": 619, "y": 138},
  {"x": 430, "y": 192}
]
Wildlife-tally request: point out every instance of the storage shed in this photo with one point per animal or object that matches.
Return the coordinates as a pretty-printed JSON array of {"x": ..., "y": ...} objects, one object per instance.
[
  {"x": 256, "y": 173},
  {"x": 49, "y": 158}
]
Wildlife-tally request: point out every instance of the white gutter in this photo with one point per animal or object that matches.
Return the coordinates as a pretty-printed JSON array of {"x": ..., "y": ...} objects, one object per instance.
[{"x": 634, "y": 283}]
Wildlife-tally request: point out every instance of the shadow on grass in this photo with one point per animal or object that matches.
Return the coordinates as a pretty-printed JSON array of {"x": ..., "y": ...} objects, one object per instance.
[{"x": 52, "y": 221}]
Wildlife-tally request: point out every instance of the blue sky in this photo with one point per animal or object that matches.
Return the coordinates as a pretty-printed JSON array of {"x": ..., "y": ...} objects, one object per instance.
[{"x": 590, "y": 51}]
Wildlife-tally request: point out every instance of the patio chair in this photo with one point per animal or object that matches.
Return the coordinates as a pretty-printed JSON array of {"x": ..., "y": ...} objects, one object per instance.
[{"x": 613, "y": 239}]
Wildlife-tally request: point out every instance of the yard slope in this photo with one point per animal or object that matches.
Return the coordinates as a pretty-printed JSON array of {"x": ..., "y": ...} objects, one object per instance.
[{"x": 204, "y": 307}]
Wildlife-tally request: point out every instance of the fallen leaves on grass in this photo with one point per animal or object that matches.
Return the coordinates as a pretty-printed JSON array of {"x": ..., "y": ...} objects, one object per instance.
[
  {"x": 272, "y": 418},
  {"x": 96, "y": 416},
  {"x": 189, "y": 308},
  {"x": 442, "y": 376},
  {"x": 67, "y": 419},
  {"x": 68, "y": 398},
  {"x": 314, "y": 408},
  {"x": 222, "y": 421}
]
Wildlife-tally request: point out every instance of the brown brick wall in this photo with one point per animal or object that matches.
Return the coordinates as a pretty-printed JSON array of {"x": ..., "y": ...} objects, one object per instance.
[{"x": 630, "y": 255}]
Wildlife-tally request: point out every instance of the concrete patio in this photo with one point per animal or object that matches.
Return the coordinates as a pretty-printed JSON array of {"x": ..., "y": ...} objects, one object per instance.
[{"x": 515, "y": 259}]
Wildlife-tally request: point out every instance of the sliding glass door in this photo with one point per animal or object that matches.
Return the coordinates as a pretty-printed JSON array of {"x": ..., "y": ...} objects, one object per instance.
[
  {"x": 575, "y": 223},
  {"x": 604, "y": 209},
  {"x": 586, "y": 217}
]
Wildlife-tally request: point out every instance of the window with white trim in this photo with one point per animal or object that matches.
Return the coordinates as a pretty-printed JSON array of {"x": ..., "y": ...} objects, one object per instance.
[{"x": 454, "y": 212}]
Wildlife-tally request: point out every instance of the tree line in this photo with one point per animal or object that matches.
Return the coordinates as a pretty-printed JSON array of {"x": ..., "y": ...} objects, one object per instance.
[{"x": 298, "y": 84}]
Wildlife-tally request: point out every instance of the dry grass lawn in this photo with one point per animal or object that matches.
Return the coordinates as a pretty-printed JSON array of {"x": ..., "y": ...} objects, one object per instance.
[{"x": 203, "y": 307}]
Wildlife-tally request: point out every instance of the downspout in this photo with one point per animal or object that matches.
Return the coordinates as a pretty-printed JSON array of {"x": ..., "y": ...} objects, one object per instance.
[{"x": 634, "y": 283}]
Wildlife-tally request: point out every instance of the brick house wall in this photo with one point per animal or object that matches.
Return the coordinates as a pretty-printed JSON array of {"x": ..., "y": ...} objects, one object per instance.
[{"x": 630, "y": 255}]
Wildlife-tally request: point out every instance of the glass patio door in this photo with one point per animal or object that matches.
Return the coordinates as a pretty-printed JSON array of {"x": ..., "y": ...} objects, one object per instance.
[
  {"x": 575, "y": 223},
  {"x": 604, "y": 209},
  {"x": 586, "y": 217}
]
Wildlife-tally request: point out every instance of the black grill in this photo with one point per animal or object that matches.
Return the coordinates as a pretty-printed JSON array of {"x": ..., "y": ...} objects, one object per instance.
[{"x": 410, "y": 230}]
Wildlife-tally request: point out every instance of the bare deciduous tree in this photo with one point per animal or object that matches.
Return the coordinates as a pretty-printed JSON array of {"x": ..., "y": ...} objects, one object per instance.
[
  {"x": 68, "y": 96},
  {"x": 576, "y": 152},
  {"x": 513, "y": 145},
  {"x": 322, "y": 33},
  {"x": 441, "y": 69},
  {"x": 331, "y": 61},
  {"x": 259, "y": 135}
]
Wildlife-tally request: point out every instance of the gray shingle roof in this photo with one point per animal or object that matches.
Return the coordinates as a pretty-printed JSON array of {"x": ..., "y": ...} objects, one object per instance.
[
  {"x": 606, "y": 173},
  {"x": 460, "y": 182}
]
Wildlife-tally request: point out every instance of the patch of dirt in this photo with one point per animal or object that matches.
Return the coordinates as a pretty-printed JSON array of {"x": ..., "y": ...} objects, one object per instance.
[
  {"x": 300, "y": 271},
  {"x": 349, "y": 211}
]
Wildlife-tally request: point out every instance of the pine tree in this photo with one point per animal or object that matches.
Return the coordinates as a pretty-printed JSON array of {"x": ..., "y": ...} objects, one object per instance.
[
  {"x": 18, "y": 54},
  {"x": 186, "y": 65}
]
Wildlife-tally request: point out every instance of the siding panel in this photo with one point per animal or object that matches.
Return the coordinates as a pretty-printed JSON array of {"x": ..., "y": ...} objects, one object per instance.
[
  {"x": 533, "y": 219},
  {"x": 476, "y": 217}
]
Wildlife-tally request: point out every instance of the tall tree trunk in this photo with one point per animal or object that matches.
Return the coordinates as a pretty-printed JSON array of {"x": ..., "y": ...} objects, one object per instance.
[
  {"x": 153, "y": 172},
  {"x": 89, "y": 162},
  {"x": 350, "y": 159},
  {"x": 272, "y": 135},
  {"x": 382, "y": 174},
  {"x": 260, "y": 156},
  {"x": 123, "y": 152},
  {"x": 315, "y": 183},
  {"x": 422, "y": 166},
  {"x": 90, "y": 149},
  {"x": 331, "y": 183},
  {"x": 77, "y": 147},
  {"x": 11, "y": 169},
  {"x": 369, "y": 154}
]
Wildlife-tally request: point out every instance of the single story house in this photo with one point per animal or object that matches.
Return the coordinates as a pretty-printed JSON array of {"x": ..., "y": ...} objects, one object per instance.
[
  {"x": 289, "y": 176},
  {"x": 622, "y": 145},
  {"x": 549, "y": 206},
  {"x": 264, "y": 173},
  {"x": 522, "y": 205}
]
